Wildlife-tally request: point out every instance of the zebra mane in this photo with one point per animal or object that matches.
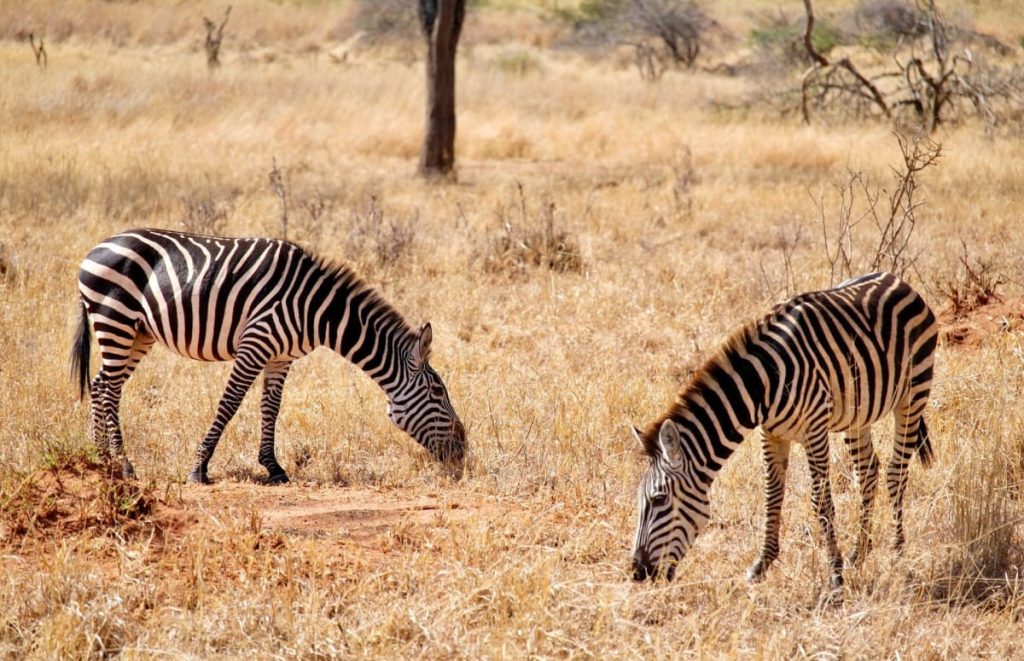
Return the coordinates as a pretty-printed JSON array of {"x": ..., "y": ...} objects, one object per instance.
[
  {"x": 352, "y": 280},
  {"x": 705, "y": 375}
]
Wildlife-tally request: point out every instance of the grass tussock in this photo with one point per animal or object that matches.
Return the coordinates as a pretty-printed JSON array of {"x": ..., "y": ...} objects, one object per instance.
[
  {"x": 984, "y": 560},
  {"x": 528, "y": 238},
  {"x": 605, "y": 234}
]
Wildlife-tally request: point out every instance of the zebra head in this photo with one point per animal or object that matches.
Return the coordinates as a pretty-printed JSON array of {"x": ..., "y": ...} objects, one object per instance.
[
  {"x": 673, "y": 505},
  {"x": 421, "y": 408}
]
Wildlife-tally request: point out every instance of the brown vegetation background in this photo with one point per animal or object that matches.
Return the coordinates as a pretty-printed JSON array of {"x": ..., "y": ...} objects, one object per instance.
[{"x": 605, "y": 233}]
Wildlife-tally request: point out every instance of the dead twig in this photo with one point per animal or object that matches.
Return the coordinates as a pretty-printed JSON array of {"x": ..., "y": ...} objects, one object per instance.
[
  {"x": 39, "y": 51},
  {"x": 214, "y": 37}
]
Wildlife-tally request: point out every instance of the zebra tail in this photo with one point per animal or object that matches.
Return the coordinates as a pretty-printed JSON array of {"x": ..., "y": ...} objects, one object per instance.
[
  {"x": 80, "y": 353},
  {"x": 924, "y": 445}
]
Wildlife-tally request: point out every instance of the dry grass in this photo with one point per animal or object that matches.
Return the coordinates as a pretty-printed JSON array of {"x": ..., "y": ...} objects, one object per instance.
[{"x": 680, "y": 219}]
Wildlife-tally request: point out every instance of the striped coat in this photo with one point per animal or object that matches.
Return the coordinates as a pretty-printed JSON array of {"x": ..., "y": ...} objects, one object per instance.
[
  {"x": 263, "y": 303},
  {"x": 831, "y": 361}
]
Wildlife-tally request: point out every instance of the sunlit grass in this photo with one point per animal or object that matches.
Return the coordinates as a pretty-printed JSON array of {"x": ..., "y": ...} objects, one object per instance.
[{"x": 680, "y": 214}]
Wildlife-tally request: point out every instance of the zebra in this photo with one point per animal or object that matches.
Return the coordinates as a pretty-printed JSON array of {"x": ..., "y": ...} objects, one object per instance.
[
  {"x": 827, "y": 361},
  {"x": 263, "y": 303}
]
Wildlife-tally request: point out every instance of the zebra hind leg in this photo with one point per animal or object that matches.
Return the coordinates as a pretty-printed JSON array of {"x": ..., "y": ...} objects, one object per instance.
[
  {"x": 113, "y": 403},
  {"x": 141, "y": 345},
  {"x": 909, "y": 416},
  {"x": 119, "y": 355},
  {"x": 98, "y": 430},
  {"x": 865, "y": 465},
  {"x": 776, "y": 461},
  {"x": 273, "y": 384},
  {"x": 248, "y": 364}
]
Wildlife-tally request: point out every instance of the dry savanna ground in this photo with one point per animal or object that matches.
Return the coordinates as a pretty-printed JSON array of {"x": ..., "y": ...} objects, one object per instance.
[{"x": 604, "y": 234}]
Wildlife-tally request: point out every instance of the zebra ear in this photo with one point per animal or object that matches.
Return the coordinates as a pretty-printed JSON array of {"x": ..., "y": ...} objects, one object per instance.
[
  {"x": 421, "y": 351},
  {"x": 671, "y": 444},
  {"x": 650, "y": 447}
]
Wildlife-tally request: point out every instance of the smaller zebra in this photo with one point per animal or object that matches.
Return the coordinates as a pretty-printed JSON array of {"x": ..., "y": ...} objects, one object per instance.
[
  {"x": 262, "y": 303},
  {"x": 828, "y": 361}
]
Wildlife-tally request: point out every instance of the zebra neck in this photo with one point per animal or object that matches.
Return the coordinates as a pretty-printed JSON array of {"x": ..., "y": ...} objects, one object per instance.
[
  {"x": 717, "y": 411},
  {"x": 364, "y": 328}
]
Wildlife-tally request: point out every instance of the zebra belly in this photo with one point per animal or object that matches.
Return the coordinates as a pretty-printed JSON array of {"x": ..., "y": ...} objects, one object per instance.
[
  {"x": 855, "y": 409},
  {"x": 190, "y": 332}
]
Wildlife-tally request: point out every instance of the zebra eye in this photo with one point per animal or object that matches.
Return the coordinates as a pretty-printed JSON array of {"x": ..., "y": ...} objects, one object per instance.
[
  {"x": 659, "y": 499},
  {"x": 437, "y": 391}
]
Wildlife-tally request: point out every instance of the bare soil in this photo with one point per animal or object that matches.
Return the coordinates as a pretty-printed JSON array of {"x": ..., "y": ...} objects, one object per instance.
[
  {"x": 83, "y": 500},
  {"x": 363, "y": 516},
  {"x": 970, "y": 329}
]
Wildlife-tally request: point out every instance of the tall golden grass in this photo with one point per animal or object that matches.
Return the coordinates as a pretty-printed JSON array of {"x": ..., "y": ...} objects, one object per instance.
[{"x": 679, "y": 216}]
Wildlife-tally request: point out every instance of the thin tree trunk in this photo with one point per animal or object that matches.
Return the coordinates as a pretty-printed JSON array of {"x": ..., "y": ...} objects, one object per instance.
[{"x": 441, "y": 21}]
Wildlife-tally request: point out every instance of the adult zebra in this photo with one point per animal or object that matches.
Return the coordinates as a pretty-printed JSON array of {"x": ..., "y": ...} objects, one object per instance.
[
  {"x": 263, "y": 303},
  {"x": 827, "y": 361}
]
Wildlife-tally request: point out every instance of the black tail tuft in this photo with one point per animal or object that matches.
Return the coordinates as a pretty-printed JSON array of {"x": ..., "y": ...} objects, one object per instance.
[
  {"x": 80, "y": 353},
  {"x": 924, "y": 445}
]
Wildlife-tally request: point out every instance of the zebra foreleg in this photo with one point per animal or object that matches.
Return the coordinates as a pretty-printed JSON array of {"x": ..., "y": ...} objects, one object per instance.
[
  {"x": 776, "y": 461},
  {"x": 248, "y": 365},
  {"x": 274, "y": 375},
  {"x": 821, "y": 500}
]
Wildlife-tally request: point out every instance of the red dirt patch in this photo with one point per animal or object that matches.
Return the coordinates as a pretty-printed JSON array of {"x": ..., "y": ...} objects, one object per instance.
[
  {"x": 81, "y": 505},
  {"x": 77, "y": 497},
  {"x": 971, "y": 328}
]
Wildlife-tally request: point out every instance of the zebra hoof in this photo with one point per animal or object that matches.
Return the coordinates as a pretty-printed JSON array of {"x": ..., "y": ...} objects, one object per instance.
[
  {"x": 835, "y": 582},
  {"x": 198, "y": 477},
  {"x": 278, "y": 478},
  {"x": 755, "y": 573},
  {"x": 832, "y": 598},
  {"x": 127, "y": 471}
]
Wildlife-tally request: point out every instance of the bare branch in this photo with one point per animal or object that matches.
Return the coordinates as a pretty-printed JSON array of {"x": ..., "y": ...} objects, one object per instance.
[
  {"x": 822, "y": 63},
  {"x": 214, "y": 37},
  {"x": 39, "y": 51}
]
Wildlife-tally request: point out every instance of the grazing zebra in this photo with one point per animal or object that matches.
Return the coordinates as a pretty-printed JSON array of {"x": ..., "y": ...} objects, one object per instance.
[
  {"x": 827, "y": 361},
  {"x": 263, "y": 303}
]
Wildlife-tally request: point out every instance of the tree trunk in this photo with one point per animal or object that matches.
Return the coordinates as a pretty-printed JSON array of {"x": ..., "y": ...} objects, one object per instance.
[{"x": 441, "y": 21}]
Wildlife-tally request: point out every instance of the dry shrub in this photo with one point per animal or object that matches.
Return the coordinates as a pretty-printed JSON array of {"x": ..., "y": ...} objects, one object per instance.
[
  {"x": 376, "y": 240},
  {"x": 663, "y": 33},
  {"x": 281, "y": 186},
  {"x": 888, "y": 20},
  {"x": 384, "y": 21},
  {"x": 973, "y": 285},
  {"x": 206, "y": 213},
  {"x": 516, "y": 62},
  {"x": 884, "y": 240},
  {"x": 939, "y": 71},
  {"x": 526, "y": 239},
  {"x": 317, "y": 209}
]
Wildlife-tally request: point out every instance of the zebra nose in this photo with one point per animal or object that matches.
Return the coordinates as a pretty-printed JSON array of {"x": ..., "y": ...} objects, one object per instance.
[{"x": 642, "y": 566}]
